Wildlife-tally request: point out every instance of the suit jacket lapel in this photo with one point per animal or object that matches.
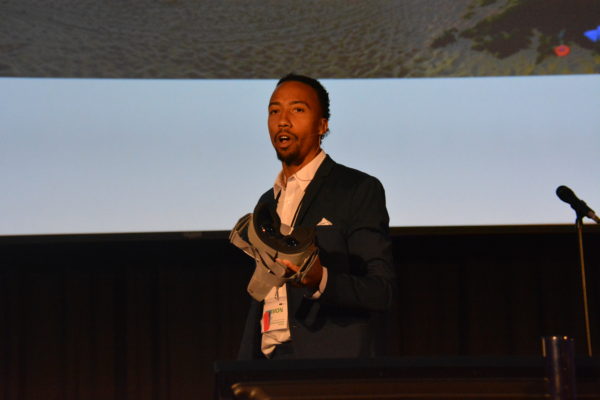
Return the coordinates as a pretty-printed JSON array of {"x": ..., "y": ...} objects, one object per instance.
[{"x": 314, "y": 188}]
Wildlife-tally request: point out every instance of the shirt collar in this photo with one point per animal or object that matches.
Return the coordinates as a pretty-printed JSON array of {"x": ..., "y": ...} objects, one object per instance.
[{"x": 304, "y": 176}]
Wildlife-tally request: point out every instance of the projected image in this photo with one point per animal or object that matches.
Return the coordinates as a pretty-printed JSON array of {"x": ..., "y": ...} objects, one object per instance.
[
  {"x": 481, "y": 110},
  {"x": 252, "y": 39}
]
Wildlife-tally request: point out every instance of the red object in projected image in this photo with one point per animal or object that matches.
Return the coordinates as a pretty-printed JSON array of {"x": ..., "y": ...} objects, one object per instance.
[{"x": 562, "y": 50}]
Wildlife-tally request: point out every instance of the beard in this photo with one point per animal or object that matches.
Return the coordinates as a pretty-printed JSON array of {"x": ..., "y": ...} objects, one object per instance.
[{"x": 290, "y": 157}]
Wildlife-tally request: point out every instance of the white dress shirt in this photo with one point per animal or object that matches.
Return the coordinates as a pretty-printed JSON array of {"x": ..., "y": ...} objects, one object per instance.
[{"x": 290, "y": 193}]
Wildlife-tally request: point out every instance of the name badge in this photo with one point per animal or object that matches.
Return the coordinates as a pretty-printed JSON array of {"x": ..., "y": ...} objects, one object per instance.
[{"x": 275, "y": 312}]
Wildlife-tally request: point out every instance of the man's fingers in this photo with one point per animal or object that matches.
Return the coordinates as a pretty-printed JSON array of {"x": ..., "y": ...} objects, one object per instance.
[{"x": 288, "y": 264}]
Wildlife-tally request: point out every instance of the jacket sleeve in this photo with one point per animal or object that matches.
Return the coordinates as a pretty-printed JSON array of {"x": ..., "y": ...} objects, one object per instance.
[
  {"x": 251, "y": 337},
  {"x": 368, "y": 281}
]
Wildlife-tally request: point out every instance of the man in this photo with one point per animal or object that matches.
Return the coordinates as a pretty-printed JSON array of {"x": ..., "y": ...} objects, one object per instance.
[{"x": 335, "y": 310}]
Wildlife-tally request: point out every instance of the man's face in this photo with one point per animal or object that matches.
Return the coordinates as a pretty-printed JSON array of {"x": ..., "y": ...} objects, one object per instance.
[{"x": 296, "y": 123}]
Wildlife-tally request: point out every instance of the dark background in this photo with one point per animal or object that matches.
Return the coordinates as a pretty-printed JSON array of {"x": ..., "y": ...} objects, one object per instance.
[{"x": 146, "y": 315}]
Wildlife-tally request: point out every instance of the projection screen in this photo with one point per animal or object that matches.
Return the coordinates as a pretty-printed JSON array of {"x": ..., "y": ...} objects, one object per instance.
[{"x": 151, "y": 117}]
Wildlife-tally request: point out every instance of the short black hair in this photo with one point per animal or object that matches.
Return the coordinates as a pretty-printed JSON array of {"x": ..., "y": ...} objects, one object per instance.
[{"x": 322, "y": 94}]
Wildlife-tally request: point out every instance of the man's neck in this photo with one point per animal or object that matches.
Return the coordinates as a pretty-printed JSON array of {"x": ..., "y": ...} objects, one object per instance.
[{"x": 291, "y": 169}]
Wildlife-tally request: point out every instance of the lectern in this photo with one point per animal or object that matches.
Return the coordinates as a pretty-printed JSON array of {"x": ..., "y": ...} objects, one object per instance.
[{"x": 398, "y": 378}]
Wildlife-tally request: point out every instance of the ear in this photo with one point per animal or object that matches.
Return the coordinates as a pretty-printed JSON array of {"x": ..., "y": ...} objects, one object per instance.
[{"x": 323, "y": 126}]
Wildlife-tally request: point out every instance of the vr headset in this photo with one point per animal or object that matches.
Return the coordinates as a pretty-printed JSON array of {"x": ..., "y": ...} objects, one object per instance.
[{"x": 259, "y": 235}]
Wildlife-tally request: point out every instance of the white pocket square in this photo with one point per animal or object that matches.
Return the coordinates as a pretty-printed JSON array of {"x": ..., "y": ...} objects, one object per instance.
[{"x": 324, "y": 222}]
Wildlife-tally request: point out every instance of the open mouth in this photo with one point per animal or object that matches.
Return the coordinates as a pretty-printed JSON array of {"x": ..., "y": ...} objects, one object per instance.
[{"x": 284, "y": 138}]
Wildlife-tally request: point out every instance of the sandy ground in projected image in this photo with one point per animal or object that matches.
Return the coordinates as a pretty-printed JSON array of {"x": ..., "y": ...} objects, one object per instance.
[{"x": 256, "y": 39}]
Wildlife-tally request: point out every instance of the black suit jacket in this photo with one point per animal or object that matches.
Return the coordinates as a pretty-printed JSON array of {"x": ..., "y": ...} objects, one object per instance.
[{"x": 346, "y": 320}]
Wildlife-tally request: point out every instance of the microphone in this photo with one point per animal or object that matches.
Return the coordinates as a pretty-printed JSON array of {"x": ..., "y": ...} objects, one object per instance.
[{"x": 582, "y": 209}]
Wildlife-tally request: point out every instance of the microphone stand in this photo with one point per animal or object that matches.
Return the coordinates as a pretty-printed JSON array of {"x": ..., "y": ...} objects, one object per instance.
[{"x": 579, "y": 223}]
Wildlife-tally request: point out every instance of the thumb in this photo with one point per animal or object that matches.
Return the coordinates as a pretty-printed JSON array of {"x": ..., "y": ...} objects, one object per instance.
[{"x": 288, "y": 264}]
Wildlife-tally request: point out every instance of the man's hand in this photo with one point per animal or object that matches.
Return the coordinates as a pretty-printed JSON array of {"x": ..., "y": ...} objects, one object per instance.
[{"x": 314, "y": 275}]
